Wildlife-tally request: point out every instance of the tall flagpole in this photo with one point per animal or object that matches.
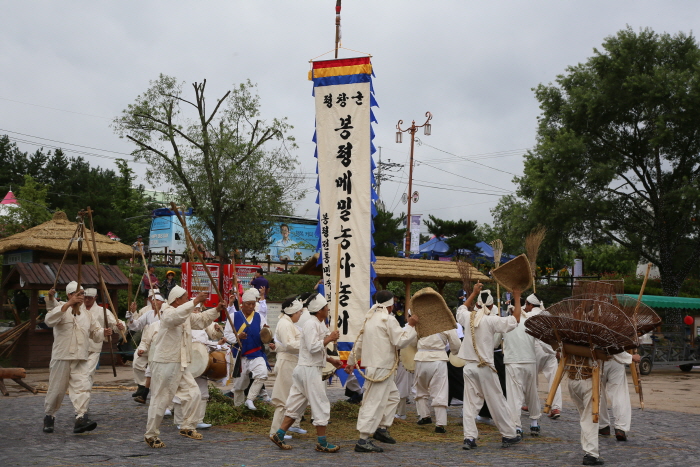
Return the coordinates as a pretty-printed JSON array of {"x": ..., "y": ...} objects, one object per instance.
[{"x": 337, "y": 26}]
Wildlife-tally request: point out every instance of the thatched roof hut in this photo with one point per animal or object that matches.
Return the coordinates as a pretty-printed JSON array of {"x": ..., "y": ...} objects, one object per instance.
[{"x": 53, "y": 237}]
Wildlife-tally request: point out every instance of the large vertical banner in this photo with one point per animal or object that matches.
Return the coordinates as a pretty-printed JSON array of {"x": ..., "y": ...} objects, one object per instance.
[
  {"x": 415, "y": 231},
  {"x": 344, "y": 96}
]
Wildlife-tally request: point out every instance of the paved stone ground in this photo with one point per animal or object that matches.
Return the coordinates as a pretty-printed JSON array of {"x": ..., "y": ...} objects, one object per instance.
[{"x": 659, "y": 438}]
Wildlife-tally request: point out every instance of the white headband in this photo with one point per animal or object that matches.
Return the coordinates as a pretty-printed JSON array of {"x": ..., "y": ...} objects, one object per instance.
[
  {"x": 72, "y": 287},
  {"x": 317, "y": 304},
  {"x": 532, "y": 299},
  {"x": 175, "y": 293},
  {"x": 91, "y": 292},
  {"x": 295, "y": 306},
  {"x": 489, "y": 299},
  {"x": 249, "y": 296},
  {"x": 158, "y": 297}
]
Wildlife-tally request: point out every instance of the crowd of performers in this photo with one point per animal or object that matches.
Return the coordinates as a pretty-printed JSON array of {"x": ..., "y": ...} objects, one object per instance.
[{"x": 498, "y": 381}]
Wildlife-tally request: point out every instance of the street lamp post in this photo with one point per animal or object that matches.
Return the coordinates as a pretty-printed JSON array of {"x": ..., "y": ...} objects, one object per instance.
[{"x": 427, "y": 129}]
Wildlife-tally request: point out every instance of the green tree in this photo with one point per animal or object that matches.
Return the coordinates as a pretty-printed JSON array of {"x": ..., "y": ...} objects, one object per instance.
[
  {"x": 607, "y": 258},
  {"x": 388, "y": 233},
  {"x": 219, "y": 161},
  {"x": 131, "y": 206},
  {"x": 617, "y": 154},
  {"x": 31, "y": 211},
  {"x": 459, "y": 234}
]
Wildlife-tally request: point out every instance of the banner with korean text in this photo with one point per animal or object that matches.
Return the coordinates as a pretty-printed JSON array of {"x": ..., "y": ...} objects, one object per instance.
[{"x": 344, "y": 99}]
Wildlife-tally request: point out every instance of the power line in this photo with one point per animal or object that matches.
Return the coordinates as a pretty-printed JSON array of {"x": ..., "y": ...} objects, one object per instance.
[{"x": 54, "y": 108}]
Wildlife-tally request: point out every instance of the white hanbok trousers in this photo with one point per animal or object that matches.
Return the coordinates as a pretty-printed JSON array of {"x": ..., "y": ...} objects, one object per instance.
[
  {"x": 581, "y": 394},
  {"x": 70, "y": 375},
  {"x": 521, "y": 385},
  {"x": 379, "y": 403},
  {"x": 547, "y": 364},
  {"x": 139, "y": 365},
  {"x": 482, "y": 384},
  {"x": 178, "y": 412},
  {"x": 284, "y": 369},
  {"x": 614, "y": 382},
  {"x": 430, "y": 381},
  {"x": 309, "y": 388},
  {"x": 258, "y": 368},
  {"x": 167, "y": 381}
]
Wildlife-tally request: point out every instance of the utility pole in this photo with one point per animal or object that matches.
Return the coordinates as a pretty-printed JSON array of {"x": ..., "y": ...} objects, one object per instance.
[
  {"x": 427, "y": 129},
  {"x": 379, "y": 174}
]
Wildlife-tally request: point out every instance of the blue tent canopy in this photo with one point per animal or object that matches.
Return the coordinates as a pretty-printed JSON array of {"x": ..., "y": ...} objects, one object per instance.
[{"x": 434, "y": 247}]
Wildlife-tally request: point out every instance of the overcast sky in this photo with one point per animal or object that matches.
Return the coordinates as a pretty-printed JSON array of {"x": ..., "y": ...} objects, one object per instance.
[{"x": 68, "y": 68}]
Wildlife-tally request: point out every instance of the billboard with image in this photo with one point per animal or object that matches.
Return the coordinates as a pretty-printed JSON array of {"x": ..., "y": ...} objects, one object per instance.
[{"x": 293, "y": 240}]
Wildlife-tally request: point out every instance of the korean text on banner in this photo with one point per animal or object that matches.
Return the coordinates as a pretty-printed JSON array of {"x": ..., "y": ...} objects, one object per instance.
[{"x": 343, "y": 98}]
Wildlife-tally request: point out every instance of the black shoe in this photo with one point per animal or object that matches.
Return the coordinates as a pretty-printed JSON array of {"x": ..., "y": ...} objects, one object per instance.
[
  {"x": 382, "y": 434},
  {"x": 440, "y": 429},
  {"x": 469, "y": 444},
  {"x": 141, "y": 399},
  {"x": 605, "y": 431},
  {"x": 425, "y": 421},
  {"x": 519, "y": 432},
  {"x": 48, "y": 424},
  {"x": 365, "y": 445},
  {"x": 590, "y": 460},
  {"x": 620, "y": 435},
  {"x": 139, "y": 391},
  {"x": 84, "y": 424},
  {"x": 534, "y": 430},
  {"x": 508, "y": 442}
]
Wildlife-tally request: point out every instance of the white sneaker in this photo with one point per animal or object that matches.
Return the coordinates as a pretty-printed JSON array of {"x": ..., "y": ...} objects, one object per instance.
[
  {"x": 202, "y": 426},
  {"x": 168, "y": 413},
  {"x": 301, "y": 431},
  {"x": 400, "y": 417},
  {"x": 250, "y": 405},
  {"x": 178, "y": 427},
  {"x": 287, "y": 436}
]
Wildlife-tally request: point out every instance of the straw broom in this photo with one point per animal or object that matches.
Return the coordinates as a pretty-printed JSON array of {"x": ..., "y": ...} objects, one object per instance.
[
  {"x": 465, "y": 272},
  {"x": 532, "y": 247}
]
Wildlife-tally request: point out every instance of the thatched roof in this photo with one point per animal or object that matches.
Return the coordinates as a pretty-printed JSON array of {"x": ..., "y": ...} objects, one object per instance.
[
  {"x": 53, "y": 236},
  {"x": 401, "y": 269}
]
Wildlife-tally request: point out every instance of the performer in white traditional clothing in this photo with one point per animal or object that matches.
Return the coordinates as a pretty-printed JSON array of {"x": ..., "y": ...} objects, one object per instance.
[
  {"x": 138, "y": 322},
  {"x": 480, "y": 377},
  {"x": 521, "y": 375},
  {"x": 308, "y": 386},
  {"x": 142, "y": 351},
  {"x": 547, "y": 363},
  {"x": 376, "y": 348},
  {"x": 72, "y": 331},
  {"x": 248, "y": 324},
  {"x": 581, "y": 392},
  {"x": 613, "y": 382},
  {"x": 430, "y": 379},
  {"x": 206, "y": 337},
  {"x": 287, "y": 342},
  {"x": 170, "y": 376},
  {"x": 98, "y": 313}
]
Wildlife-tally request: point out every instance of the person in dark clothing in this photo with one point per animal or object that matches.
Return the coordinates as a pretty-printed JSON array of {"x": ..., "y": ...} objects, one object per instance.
[
  {"x": 168, "y": 284},
  {"x": 259, "y": 282}
]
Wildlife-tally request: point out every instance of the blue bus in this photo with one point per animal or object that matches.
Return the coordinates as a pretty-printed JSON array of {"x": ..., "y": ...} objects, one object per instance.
[{"x": 167, "y": 234}]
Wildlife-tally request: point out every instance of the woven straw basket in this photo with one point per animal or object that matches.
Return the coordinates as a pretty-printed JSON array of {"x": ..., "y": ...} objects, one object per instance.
[
  {"x": 433, "y": 313},
  {"x": 515, "y": 274}
]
